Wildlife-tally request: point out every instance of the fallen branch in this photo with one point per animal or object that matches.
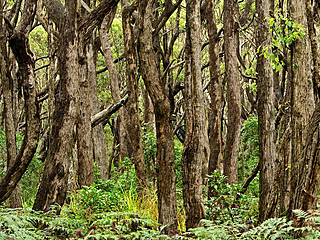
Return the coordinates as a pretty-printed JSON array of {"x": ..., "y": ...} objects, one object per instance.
[{"x": 107, "y": 113}]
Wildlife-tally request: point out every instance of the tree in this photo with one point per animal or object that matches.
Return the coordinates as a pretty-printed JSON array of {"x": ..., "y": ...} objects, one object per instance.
[
  {"x": 196, "y": 146},
  {"x": 216, "y": 94},
  {"x": 231, "y": 44},
  {"x": 19, "y": 45},
  {"x": 9, "y": 108},
  {"x": 133, "y": 128},
  {"x": 266, "y": 115},
  {"x": 166, "y": 183},
  {"x": 53, "y": 187},
  {"x": 73, "y": 36},
  {"x": 303, "y": 105}
]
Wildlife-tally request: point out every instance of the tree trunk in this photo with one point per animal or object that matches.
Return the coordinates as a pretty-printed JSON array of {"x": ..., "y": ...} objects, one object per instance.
[
  {"x": 266, "y": 119},
  {"x": 196, "y": 146},
  {"x": 53, "y": 187},
  {"x": 148, "y": 114},
  {"x": 9, "y": 111},
  {"x": 99, "y": 147},
  {"x": 20, "y": 47},
  {"x": 84, "y": 130},
  {"x": 166, "y": 183},
  {"x": 115, "y": 81},
  {"x": 133, "y": 124},
  {"x": 231, "y": 41},
  {"x": 216, "y": 95},
  {"x": 302, "y": 104}
]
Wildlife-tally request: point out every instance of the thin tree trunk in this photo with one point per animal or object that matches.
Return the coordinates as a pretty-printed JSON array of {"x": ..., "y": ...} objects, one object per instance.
[
  {"x": 84, "y": 130},
  {"x": 231, "y": 41},
  {"x": 148, "y": 114},
  {"x": 216, "y": 95},
  {"x": 99, "y": 146},
  {"x": 196, "y": 146},
  {"x": 115, "y": 81}
]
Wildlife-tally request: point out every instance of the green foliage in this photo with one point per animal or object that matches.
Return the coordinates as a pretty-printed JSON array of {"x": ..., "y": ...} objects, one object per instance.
[
  {"x": 210, "y": 231},
  {"x": 274, "y": 228},
  {"x": 249, "y": 151},
  {"x": 149, "y": 147},
  {"x": 228, "y": 204},
  {"x": 17, "y": 224},
  {"x": 284, "y": 33}
]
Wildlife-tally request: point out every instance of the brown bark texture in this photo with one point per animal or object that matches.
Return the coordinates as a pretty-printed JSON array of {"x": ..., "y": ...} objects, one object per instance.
[
  {"x": 9, "y": 110},
  {"x": 19, "y": 45},
  {"x": 216, "y": 95},
  {"x": 166, "y": 183},
  {"x": 53, "y": 187},
  {"x": 303, "y": 105},
  {"x": 231, "y": 41},
  {"x": 266, "y": 116},
  {"x": 196, "y": 146},
  {"x": 132, "y": 120}
]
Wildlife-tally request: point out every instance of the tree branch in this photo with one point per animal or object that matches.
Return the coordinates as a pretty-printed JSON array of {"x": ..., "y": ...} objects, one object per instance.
[{"x": 106, "y": 113}]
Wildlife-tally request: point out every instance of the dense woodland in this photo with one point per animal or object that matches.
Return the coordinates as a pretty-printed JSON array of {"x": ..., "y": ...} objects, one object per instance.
[{"x": 159, "y": 119}]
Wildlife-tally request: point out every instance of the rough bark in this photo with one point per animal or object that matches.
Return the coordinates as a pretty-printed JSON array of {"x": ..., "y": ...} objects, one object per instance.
[
  {"x": 115, "y": 81},
  {"x": 266, "y": 116},
  {"x": 309, "y": 162},
  {"x": 148, "y": 114},
  {"x": 314, "y": 47},
  {"x": 8, "y": 110},
  {"x": 20, "y": 47},
  {"x": 84, "y": 130},
  {"x": 196, "y": 146},
  {"x": 53, "y": 187},
  {"x": 231, "y": 36},
  {"x": 302, "y": 103},
  {"x": 99, "y": 147},
  {"x": 216, "y": 95},
  {"x": 166, "y": 183},
  {"x": 132, "y": 120},
  {"x": 96, "y": 17}
]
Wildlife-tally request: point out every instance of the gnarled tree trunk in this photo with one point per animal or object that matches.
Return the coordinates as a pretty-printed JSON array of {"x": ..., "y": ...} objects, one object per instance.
[
  {"x": 20, "y": 47},
  {"x": 53, "y": 187}
]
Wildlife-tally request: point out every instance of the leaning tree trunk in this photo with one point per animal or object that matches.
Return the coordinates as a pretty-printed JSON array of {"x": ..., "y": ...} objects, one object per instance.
[
  {"x": 8, "y": 109},
  {"x": 231, "y": 41},
  {"x": 216, "y": 95},
  {"x": 303, "y": 105},
  {"x": 266, "y": 116},
  {"x": 196, "y": 146},
  {"x": 166, "y": 182}
]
